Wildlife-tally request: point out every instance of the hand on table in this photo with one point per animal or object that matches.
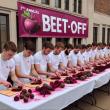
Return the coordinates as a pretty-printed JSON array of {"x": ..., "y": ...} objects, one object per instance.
[{"x": 7, "y": 84}]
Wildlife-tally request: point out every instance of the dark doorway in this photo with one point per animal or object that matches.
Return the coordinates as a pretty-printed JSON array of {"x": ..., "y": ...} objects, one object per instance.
[{"x": 95, "y": 34}]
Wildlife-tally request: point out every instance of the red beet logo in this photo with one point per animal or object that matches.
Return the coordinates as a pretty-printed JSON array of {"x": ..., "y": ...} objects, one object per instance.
[{"x": 30, "y": 23}]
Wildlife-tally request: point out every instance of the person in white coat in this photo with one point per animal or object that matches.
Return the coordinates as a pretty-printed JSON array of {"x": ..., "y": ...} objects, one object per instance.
[
  {"x": 82, "y": 56},
  {"x": 7, "y": 65},
  {"x": 56, "y": 63},
  {"x": 65, "y": 55},
  {"x": 41, "y": 60},
  {"x": 73, "y": 56},
  {"x": 24, "y": 62}
]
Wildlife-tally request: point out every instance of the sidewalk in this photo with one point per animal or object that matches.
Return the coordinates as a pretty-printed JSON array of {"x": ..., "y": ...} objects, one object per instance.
[{"x": 103, "y": 103}]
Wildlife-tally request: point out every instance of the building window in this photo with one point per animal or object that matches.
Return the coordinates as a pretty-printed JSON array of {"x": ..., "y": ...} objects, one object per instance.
[
  {"x": 21, "y": 41},
  {"x": 108, "y": 35},
  {"x": 33, "y": 0},
  {"x": 47, "y": 2},
  {"x": 58, "y": 3},
  {"x": 77, "y": 7},
  {"x": 75, "y": 41},
  {"x": 66, "y": 4},
  {"x": 64, "y": 40},
  {"x": 95, "y": 34},
  {"x": 103, "y": 35},
  {"x": 79, "y": 40},
  {"x": 4, "y": 29},
  {"x": 46, "y": 39}
]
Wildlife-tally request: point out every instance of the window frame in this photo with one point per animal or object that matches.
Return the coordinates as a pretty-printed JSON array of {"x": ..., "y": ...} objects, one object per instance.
[
  {"x": 95, "y": 38},
  {"x": 7, "y": 29},
  {"x": 103, "y": 34},
  {"x": 76, "y": 6},
  {"x": 46, "y": 2},
  {"x": 59, "y": 4},
  {"x": 108, "y": 35},
  {"x": 66, "y": 6}
]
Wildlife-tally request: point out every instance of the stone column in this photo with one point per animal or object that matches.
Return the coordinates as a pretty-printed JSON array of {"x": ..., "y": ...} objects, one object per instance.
[
  {"x": 84, "y": 41},
  {"x": 62, "y": 4},
  {"x": 39, "y": 43},
  {"x": 71, "y": 5},
  {"x": 71, "y": 41},
  {"x": 38, "y": 1},
  {"x": 12, "y": 24},
  {"x": 52, "y": 3},
  {"x": 53, "y": 41},
  {"x": 90, "y": 14},
  {"x": 99, "y": 39}
]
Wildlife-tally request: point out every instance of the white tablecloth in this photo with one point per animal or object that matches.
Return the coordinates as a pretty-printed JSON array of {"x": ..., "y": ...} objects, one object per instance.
[
  {"x": 57, "y": 100},
  {"x": 61, "y": 97},
  {"x": 101, "y": 79},
  {"x": 108, "y": 70}
]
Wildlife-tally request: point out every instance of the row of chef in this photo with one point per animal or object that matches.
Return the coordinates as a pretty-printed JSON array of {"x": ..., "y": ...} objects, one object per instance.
[{"x": 51, "y": 61}]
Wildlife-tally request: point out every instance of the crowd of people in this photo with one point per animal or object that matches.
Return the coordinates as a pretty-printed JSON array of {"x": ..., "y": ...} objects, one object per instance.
[{"x": 51, "y": 61}]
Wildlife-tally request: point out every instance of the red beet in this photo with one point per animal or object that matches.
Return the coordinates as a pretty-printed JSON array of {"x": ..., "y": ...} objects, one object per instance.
[
  {"x": 88, "y": 73},
  {"x": 49, "y": 87},
  {"x": 24, "y": 91},
  {"x": 57, "y": 77},
  {"x": 16, "y": 98},
  {"x": 81, "y": 69},
  {"x": 70, "y": 80},
  {"x": 73, "y": 71},
  {"x": 83, "y": 77},
  {"x": 37, "y": 88},
  {"x": 27, "y": 95},
  {"x": 57, "y": 84},
  {"x": 44, "y": 91},
  {"x": 21, "y": 96},
  {"x": 31, "y": 26},
  {"x": 62, "y": 85},
  {"x": 64, "y": 73},
  {"x": 29, "y": 90},
  {"x": 31, "y": 96},
  {"x": 17, "y": 89},
  {"x": 20, "y": 88},
  {"x": 36, "y": 82},
  {"x": 25, "y": 99}
]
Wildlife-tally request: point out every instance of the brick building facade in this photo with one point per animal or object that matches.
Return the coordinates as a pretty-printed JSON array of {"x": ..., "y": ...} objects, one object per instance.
[
  {"x": 97, "y": 11},
  {"x": 102, "y": 6}
]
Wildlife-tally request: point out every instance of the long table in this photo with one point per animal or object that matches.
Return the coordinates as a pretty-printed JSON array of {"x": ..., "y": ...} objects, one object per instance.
[
  {"x": 101, "y": 78},
  {"x": 60, "y": 98}
]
